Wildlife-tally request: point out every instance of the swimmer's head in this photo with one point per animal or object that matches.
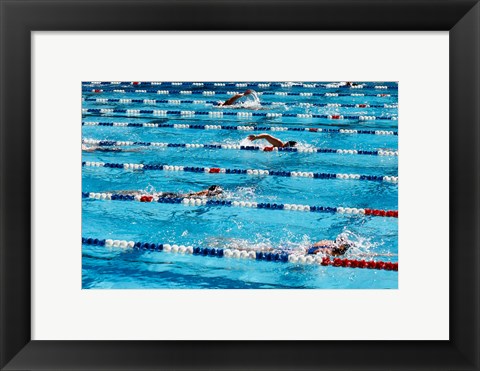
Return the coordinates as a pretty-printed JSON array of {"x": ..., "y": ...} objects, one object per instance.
[
  {"x": 290, "y": 143},
  {"x": 248, "y": 91},
  {"x": 215, "y": 189},
  {"x": 341, "y": 249}
]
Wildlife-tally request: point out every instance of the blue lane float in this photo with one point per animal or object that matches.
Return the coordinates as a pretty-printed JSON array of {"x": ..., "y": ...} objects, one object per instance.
[
  {"x": 203, "y": 201},
  {"x": 237, "y": 127},
  {"x": 274, "y": 255},
  {"x": 212, "y": 102},
  {"x": 236, "y": 113},
  {"x": 109, "y": 143},
  {"x": 253, "y": 172},
  {"x": 229, "y": 93},
  {"x": 261, "y": 85}
]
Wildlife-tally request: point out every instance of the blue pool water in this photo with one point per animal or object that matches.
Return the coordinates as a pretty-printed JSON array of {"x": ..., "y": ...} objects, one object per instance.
[{"x": 220, "y": 226}]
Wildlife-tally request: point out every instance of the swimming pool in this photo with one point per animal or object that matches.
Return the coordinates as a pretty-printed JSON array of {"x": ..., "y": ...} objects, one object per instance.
[{"x": 341, "y": 177}]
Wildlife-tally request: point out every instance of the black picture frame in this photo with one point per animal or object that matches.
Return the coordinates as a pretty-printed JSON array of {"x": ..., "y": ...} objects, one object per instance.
[{"x": 18, "y": 18}]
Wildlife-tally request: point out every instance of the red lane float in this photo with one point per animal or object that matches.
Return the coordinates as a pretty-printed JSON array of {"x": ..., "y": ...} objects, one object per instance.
[
  {"x": 214, "y": 170},
  {"x": 387, "y": 213},
  {"x": 352, "y": 263},
  {"x": 146, "y": 199}
]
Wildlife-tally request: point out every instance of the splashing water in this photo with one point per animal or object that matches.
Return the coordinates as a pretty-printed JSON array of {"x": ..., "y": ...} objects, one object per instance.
[{"x": 361, "y": 247}]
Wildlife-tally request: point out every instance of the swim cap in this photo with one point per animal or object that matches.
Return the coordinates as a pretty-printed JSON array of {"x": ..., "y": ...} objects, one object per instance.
[{"x": 215, "y": 188}]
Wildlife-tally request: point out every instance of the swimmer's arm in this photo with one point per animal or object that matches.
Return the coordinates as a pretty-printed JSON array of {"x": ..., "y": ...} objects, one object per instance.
[
  {"x": 232, "y": 100},
  {"x": 322, "y": 243},
  {"x": 272, "y": 140},
  {"x": 125, "y": 192},
  {"x": 86, "y": 148},
  {"x": 201, "y": 193}
]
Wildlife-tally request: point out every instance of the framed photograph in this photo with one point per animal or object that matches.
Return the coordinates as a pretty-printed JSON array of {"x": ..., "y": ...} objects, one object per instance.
[
  {"x": 254, "y": 185},
  {"x": 184, "y": 164}
]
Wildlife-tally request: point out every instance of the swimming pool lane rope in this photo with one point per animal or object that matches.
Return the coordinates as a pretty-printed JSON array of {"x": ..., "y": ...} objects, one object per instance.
[
  {"x": 262, "y": 85},
  {"x": 210, "y": 93},
  {"x": 280, "y": 256},
  {"x": 241, "y": 114},
  {"x": 238, "y": 127},
  {"x": 212, "y": 102},
  {"x": 203, "y": 201},
  {"x": 254, "y": 172},
  {"x": 107, "y": 143}
]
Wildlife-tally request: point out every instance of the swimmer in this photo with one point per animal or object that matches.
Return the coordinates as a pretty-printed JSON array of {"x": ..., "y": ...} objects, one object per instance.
[
  {"x": 340, "y": 246},
  {"x": 335, "y": 248},
  {"x": 275, "y": 142},
  {"x": 107, "y": 149},
  {"x": 212, "y": 191},
  {"x": 236, "y": 97},
  {"x": 328, "y": 247},
  {"x": 99, "y": 148}
]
